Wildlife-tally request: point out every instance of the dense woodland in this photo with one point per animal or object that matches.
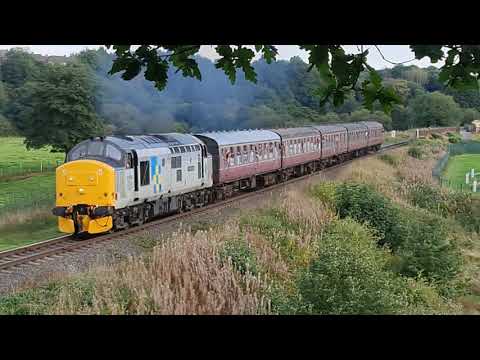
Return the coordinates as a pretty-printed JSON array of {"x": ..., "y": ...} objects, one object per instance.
[{"x": 61, "y": 104}]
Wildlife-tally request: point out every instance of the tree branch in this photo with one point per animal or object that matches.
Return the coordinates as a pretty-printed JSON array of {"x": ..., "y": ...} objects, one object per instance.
[{"x": 391, "y": 62}]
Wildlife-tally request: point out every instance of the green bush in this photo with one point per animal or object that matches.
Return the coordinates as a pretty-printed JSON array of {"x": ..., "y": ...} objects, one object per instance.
[
  {"x": 427, "y": 197},
  {"x": 390, "y": 159},
  {"x": 350, "y": 274},
  {"x": 324, "y": 191},
  {"x": 454, "y": 138},
  {"x": 464, "y": 207},
  {"x": 419, "y": 239},
  {"x": 362, "y": 203},
  {"x": 425, "y": 248},
  {"x": 415, "y": 152},
  {"x": 241, "y": 255}
]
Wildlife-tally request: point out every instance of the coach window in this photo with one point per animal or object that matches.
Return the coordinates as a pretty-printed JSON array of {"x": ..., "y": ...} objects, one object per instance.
[
  {"x": 176, "y": 150},
  {"x": 179, "y": 175},
  {"x": 245, "y": 154},
  {"x": 238, "y": 155},
  {"x": 144, "y": 173},
  {"x": 182, "y": 149},
  {"x": 188, "y": 148}
]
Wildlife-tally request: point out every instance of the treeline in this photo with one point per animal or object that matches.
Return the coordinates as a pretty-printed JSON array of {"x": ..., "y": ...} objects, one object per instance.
[{"x": 64, "y": 103}]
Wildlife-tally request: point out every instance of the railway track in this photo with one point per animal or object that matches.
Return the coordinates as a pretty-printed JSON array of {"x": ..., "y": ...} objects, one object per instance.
[{"x": 49, "y": 249}]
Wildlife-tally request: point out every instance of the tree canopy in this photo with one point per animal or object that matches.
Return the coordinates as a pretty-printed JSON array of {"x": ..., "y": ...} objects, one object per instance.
[
  {"x": 340, "y": 72},
  {"x": 57, "y": 109}
]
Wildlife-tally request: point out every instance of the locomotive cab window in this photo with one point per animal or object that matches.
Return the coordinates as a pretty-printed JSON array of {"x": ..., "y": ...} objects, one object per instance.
[
  {"x": 144, "y": 173},
  {"x": 113, "y": 153},
  {"x": 78, "y": 153},
  {"x": 96, "y": 148}
]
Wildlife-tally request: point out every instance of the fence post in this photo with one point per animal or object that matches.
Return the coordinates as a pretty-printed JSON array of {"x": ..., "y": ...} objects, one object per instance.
[
  {"x": 41, "y": 165},
  {"x": 467, "y": 178},
  {"x": 474, "y": 186}
]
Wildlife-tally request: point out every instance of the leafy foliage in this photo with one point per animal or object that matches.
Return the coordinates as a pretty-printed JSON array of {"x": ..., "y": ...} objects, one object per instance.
[
  {"x": 339, "y": 71},
  {"x": 350, "y": 275},
  {"x": 57, "y": 109}
]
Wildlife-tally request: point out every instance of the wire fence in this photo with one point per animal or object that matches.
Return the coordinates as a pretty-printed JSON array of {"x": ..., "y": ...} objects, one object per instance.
[
  {"x": 19, "y": 201},
  {"x": 471, "y": 147},
  {"x": 22, "y": 169}
]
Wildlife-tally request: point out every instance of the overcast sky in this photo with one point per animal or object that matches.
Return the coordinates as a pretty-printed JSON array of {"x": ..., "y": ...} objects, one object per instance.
[{"x": 394, "y": 53}]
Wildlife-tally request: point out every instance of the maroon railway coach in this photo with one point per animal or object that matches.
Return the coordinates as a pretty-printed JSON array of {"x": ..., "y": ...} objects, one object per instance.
[
  {"x": 240, "y": 156},
  {"x": 334, "y": 140},
  {"x": 375, "y": 134},
  {"x": 357, "y": 134},
  {"x": 299, "y": 145}
]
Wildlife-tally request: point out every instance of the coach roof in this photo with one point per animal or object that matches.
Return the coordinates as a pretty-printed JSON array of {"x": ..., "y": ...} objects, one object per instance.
[
  {"x": 328, "y": 129},
  {"x": 223, "y": 138},
  {"x": 289, "y": 133}
]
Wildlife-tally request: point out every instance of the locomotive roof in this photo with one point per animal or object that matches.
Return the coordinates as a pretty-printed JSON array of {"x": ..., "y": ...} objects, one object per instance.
[
  {"x": 328, "y": 129},
  {"x": 240, "y": 136},
  {"x": 295, "y": 132},
  {"x": 152, "y": 141}
]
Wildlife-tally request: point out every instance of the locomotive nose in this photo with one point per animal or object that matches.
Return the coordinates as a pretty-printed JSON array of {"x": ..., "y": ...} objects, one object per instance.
[{"x": 85, "y": 196}]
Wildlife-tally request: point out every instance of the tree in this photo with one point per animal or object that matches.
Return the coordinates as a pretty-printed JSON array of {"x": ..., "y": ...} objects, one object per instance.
[
  {"x": 339, "y": 71},
  {"x": 365, "y": 115},
  {"x": 3, "y": 97},
  {"x": 57, "y": 110},
  {"x": 18, "y": 67},
  {"x": 435, "y": 109}
]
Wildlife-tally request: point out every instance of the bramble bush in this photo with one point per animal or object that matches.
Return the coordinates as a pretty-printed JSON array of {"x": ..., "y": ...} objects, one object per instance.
[
  {"x": 350, "y": 274},
  {"x": 415, "y": 152},
  {"x": 241, "y": 255},
  {"x": 418, "y": 239}
]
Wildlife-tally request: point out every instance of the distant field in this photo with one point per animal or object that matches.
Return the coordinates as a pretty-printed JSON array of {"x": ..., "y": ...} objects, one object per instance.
[
  {"x": 23, "y": 191},
  {"x": 29, "y": 190},
  {"x": 15, "y": 159},
  {"x": 459, "y": 165}
]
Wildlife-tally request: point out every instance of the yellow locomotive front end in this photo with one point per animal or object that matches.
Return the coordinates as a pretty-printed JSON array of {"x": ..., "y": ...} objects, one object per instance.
[{"x": 85, "y": 196}]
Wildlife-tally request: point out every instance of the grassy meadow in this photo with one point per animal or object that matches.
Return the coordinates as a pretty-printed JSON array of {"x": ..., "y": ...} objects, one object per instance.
[
  {"x": 16, "y": 159},
  {"x": 459, "y": 165},
  {"x": 26, "y": 194},
  {"x": 382, "y": 238}
]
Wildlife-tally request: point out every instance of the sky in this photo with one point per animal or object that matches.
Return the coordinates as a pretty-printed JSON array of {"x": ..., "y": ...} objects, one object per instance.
[{"x": 394, "y": 53}]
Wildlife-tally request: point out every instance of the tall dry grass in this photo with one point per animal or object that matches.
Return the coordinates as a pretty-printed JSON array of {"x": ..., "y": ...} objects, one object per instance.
[
  {"x": 22, "y": 216},
  {"x": 183, "y": 275}
]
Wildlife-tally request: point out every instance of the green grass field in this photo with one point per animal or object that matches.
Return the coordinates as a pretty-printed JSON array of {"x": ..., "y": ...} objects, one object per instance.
[
  {"x": 15, "y": 159},
  {"x": 24, "y": 192},
  {"x": 459, "y": 165},
  {"x": 16, "y": 235}
]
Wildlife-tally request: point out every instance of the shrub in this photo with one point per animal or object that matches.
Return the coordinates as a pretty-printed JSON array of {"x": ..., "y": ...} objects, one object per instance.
[
  {"x": 362, "y": 203},
  {"x": 390, "y": 159},
  {"x": 454, "y": 138},
  {"x": 415, "y": 152},
  {"x": 425, "y": 248},
  {"x": 241, "y": 255},
  {"x": 417, "y": 238},
  {"x": 349, "y": 276},
  {"x": 464, "y": 207},
  {"x": 324, "y": 191}
]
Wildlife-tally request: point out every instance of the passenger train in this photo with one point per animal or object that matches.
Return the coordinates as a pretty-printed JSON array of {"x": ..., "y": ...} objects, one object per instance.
[{"x": 114, "y": 182}]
